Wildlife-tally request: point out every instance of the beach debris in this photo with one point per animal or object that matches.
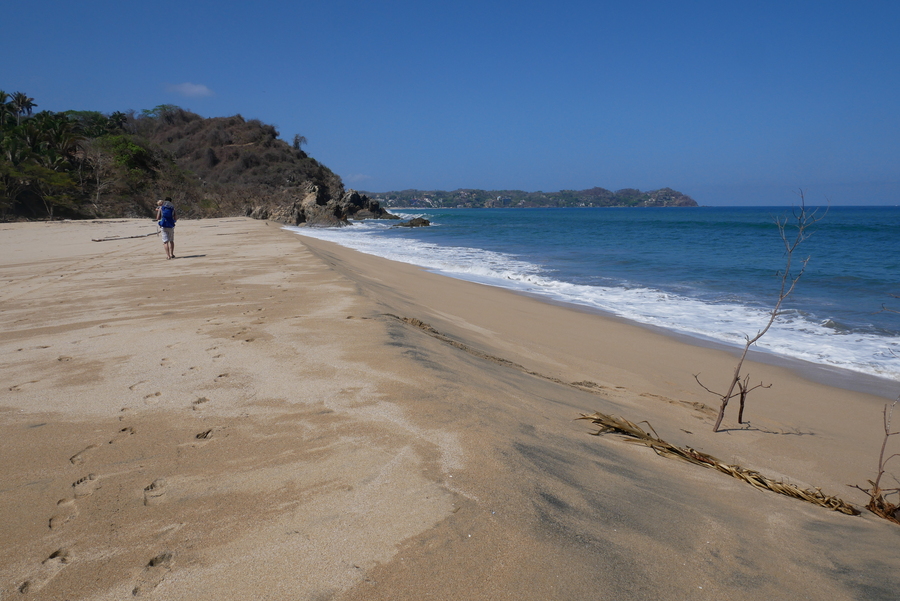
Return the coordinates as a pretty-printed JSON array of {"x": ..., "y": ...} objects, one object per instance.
[
  {"x": 124, "y": 237},
  {"x": 877, "y": 503},
  {"x": 801, "y": 222},
  {"x": 637, "y": 435}
]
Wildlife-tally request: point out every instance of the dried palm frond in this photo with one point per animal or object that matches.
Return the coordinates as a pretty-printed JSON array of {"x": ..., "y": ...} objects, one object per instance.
[{"x": 637, "y": 435}]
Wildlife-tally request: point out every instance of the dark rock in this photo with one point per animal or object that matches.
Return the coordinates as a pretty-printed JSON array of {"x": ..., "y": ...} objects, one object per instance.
[
  {"x": 316, "y": 208},
  {"x": 260, "y": 212},
  {"x": 415, "y": 222}
]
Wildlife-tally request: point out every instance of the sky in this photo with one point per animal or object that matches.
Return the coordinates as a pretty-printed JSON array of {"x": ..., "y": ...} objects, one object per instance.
[{"x": 732, "y": 103}]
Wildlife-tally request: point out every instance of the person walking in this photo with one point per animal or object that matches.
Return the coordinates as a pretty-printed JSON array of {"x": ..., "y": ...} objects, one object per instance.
[{"x": 166, "y": 216}]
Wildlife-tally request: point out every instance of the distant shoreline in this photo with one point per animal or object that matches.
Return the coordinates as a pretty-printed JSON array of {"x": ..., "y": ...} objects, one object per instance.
[{"x": 474, "y": 198}]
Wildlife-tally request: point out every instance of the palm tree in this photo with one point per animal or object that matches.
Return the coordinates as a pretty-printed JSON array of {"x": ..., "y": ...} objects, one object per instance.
[
  {"x": 22, "y": 104},
  {"x": 59, "y": 134},
  {"x": 116, "y": 122},
  {"x": 5, "y": 108},
  {"x": 13, "y": 154}
]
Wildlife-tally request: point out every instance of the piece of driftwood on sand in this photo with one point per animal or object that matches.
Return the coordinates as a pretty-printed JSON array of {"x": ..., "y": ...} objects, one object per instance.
[
  {"x": 635, "y": 434},
  {"x": 124, "y": 237}
]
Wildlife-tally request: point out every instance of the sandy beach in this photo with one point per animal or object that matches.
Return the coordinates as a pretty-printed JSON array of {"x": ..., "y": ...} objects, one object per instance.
[{"x": 274, "y": 417}]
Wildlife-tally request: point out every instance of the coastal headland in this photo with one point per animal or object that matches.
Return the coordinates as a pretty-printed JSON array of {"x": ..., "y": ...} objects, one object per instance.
[{"x": 274, "y": 417}]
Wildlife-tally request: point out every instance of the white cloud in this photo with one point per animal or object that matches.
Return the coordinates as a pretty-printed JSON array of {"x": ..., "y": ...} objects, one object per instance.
[
  {"x": 190, "y": 90},
  {"x": 358, "y": 177}
]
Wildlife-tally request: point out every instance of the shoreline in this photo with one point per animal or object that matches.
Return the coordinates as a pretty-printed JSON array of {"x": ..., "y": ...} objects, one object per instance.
[
  {"x": 275, "y": 417},
  {"x": 839, "y": 377}
]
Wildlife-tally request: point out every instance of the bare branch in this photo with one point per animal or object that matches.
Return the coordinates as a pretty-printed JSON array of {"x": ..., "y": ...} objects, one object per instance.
[
  {"x": 802, "y": 222},
  {"x": 703, "y": 386},
  {"x": 877, "y": 502},
  {"x": 760, "y": 385}
]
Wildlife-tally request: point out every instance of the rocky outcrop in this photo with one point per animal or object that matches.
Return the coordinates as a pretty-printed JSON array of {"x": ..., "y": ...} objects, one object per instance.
[
  {"x": 415, "y": 222},
  {"x": 316, "y": 208}
]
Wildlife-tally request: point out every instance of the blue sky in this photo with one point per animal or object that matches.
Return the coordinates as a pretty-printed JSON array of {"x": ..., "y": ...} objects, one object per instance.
[{"x": 731, "y": 103}]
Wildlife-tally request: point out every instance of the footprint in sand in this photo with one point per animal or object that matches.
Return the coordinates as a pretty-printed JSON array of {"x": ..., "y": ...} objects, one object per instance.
[
  {"x": 200, "y": 440},
  {"x": 123, "y": 433},
  {"x": 50, "y": 567},
  {"x": 66, "y": 511},
  {"x": 85, "y": 487},
  {"x": 78, "y": 458},
  {"x": 156, "y": 492},
  {"x": 154, "y": 572},
  {"x": 198, "y": 404}
]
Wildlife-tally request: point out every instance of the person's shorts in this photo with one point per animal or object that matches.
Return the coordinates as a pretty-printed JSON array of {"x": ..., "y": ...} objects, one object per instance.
[{"x": 168, "y": 234}]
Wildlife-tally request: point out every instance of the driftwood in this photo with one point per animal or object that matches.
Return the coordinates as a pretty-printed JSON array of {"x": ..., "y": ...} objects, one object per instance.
[
  {"x": 636, "y": 434},
  {"x": 878, "y": 504},
  {"x": 802, "y": 220},
  {"x": 123, "y": 237}
]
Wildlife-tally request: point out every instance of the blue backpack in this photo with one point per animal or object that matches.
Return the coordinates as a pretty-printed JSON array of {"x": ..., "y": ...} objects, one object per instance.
[{"x": 168, "y": 216}]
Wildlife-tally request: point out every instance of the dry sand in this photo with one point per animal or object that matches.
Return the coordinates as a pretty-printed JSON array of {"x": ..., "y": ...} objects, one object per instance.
[{"x": 255, "y": 420}]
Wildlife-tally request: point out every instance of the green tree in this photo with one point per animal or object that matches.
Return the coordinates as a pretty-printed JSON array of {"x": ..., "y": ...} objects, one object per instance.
[
  {"x": 5, "y": 109},
  {"x": 13, "y": 153},
  {"x": 160, "y": 110},
  {"x": 56, "y": 189},
  {"x": 115, "y": 123},
  {"x": 22, "y": 104}
]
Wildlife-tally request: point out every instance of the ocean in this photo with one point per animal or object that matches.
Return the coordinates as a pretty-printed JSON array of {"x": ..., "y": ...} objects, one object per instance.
[{"x": 711, "y": 273}]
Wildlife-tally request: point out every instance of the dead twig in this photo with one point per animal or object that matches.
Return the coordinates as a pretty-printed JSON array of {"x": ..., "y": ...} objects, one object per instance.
[
  {"x": 801, "y": 221},
  {"x": 878, "y": 504}
]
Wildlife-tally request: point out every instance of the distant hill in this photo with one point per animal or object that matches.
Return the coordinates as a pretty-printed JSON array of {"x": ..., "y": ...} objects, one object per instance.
[
  {"x": 471, "y": 198},
  {"x": 86, "y": 164}
]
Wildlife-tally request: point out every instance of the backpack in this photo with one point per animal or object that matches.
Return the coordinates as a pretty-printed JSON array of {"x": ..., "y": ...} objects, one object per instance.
[{"x": 168, "y": 216}]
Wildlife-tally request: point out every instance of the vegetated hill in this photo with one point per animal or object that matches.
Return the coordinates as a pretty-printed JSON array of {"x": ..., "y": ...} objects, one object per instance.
[
  {"x": 232, "y": 166},
  {"x": 87, "y": 164},
  {"x": 234, "y": 163},
  {"x": 595, "y": 197}
]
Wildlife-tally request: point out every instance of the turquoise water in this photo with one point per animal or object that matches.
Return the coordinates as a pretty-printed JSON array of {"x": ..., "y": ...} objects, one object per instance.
[{"x": 710, "y": 272}]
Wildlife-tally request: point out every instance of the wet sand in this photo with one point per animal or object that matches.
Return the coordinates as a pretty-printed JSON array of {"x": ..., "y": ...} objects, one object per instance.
[{"x": 274, "y": 417}]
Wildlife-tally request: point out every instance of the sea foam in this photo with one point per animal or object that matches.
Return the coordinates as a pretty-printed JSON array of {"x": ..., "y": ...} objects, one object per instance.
[{"x": 792, "y": 335}]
